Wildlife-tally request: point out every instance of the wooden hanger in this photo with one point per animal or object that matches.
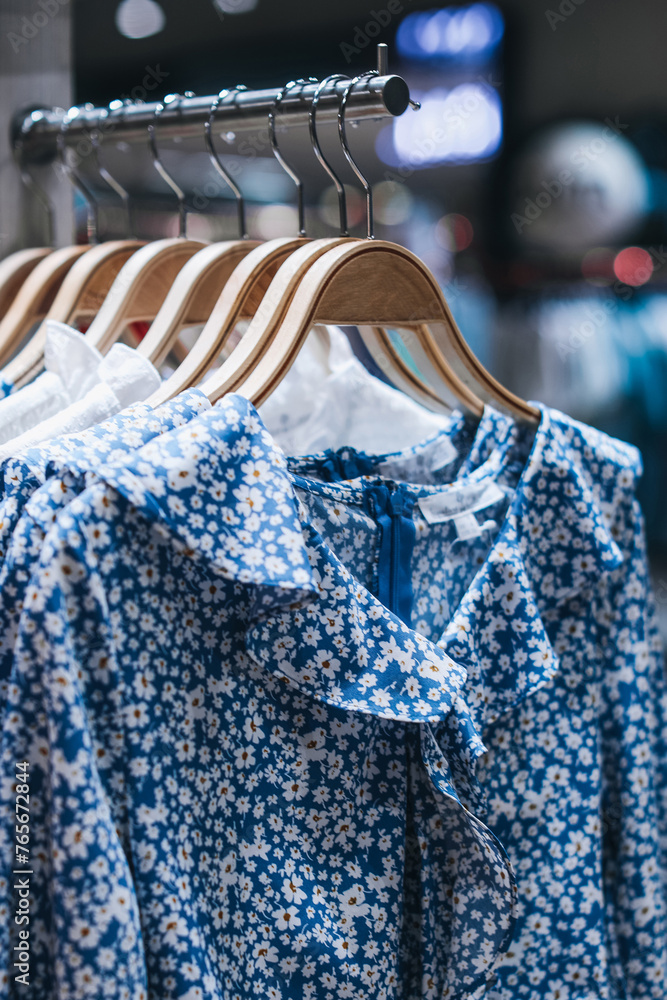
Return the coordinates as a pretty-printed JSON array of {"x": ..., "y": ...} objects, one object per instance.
[
  {"x": 377, "y": 340},
  {"x": 388, "y": 359},
  {"x": 372, "y": 284},
  {"x": 80, "y": 296},
  {"x": 376, "y": 283},
  {"x": 240, "y": 299},
  {"x": 261, "y": 289},
  {"x": 391, "y": 360},
  {"x": 34, "y": 298},
  {"x": 88, "y": 280},
  {"x": 14, "y": 270},
  {"x": 192, "y": 296},
  {"x": 253, "y": 292},
  {"x": 142, "y": 285},
  {"x": 246, "y": 285},
  {"x": 256, "y": 343},
  {"x": 140, "y": 288}
]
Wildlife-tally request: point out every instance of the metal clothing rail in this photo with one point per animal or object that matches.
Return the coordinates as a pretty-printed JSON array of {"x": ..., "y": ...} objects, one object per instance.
[{"x": 373, "y": 97}]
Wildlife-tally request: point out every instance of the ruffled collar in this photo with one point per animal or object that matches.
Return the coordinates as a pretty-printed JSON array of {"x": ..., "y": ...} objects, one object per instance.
[
  {"x": 497, "y": 642},
  {"x": 347, "y": 650},
  {"x": 556, "y": 543},
  {"x": 219, "y": 487}
]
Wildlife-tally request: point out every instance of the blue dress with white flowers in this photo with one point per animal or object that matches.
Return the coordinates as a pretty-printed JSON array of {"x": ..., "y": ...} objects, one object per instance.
[{"x": 250, "y": 773}]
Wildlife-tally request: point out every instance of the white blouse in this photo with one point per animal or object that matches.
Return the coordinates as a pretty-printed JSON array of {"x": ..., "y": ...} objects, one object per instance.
[
  {"x": 329, "y": 400},
  {"x": 80, "y": 388}
]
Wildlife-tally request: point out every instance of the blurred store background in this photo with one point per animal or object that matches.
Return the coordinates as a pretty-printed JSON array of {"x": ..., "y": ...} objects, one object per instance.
[{"x": 533, "y": 181}]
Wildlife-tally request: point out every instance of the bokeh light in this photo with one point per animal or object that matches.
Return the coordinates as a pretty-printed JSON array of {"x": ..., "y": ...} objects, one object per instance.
[
  {"x": 451, "y": 33},
  {"x": 234, "y": 6},
  {"x": 460, "y": 125},
  {"x": 139, "y": 18},
  {"x": 273, "y": 221},
  {"x": 354, "y": 200},
  {"x": 454, "y": 232},
  {"x": 392, "y": 203},
  {"x": 578, "y": 185},
  {"x": 633, "y": 266}
]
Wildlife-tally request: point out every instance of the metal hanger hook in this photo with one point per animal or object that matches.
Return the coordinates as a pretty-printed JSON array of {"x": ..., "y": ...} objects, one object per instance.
[
  {"x": 159, "y": 166},
  {"x": 279, "y": 156},
  {"x": 74, "y": 178},
  {"x": 215, "y": 159},
  {"x": 115, "y": 185},
  {"x": 370, "y": 224},
  {"x": 317, "y": 149}
]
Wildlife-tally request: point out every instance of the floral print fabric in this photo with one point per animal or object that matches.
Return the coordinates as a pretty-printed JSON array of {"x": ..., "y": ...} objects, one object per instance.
[
  {"x": 257, "y": 777},
  {"x": 253, "y": 824},
  {"x": 44, "y": 479},
  {"x": 68, "y": 464},
  {"x": 565, "y": 687}
]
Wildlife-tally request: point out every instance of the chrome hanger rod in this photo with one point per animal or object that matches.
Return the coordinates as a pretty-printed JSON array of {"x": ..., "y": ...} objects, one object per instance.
[{"x": 376, "y": 97}]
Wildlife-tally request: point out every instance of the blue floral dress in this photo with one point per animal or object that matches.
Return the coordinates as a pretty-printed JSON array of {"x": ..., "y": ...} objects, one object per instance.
[
  {"x": 566, "y": 686},
  {"x": 248, "y": 772}
]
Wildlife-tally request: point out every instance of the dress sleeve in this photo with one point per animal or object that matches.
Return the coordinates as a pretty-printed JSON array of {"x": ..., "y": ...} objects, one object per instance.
[
  {"x": 83, "y": 906},
  {"x": 634, "y": 754}
]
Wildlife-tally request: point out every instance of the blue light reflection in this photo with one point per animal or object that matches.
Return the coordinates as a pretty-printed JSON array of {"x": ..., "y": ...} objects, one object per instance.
[{"x": 461, "y": 33}]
